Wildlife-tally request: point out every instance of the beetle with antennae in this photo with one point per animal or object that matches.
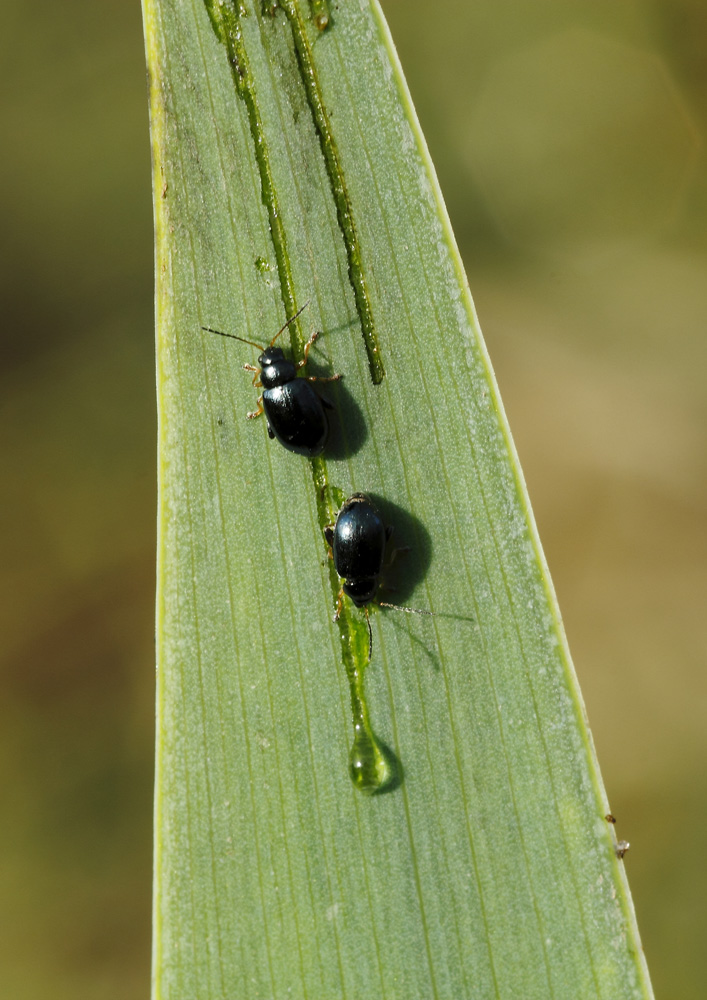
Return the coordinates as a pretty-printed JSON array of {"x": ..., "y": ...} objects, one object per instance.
[
  {"x": 295, "y": 412},
  {"x": 358, "y": 541}
]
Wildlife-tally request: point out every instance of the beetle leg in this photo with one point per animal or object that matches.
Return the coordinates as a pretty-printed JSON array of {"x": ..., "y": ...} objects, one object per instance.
[
  {"x": 307, "y": 348},
  {"x": 329, "y": 535},
  {"x": 256, "y": 413},
  {"x": 303, "y": 362},
  {"x": 339, "y": 603},
  {"x": 251, "y": 368}
]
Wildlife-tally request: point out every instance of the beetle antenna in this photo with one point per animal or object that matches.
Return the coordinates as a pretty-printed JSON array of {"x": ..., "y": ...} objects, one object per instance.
[
  {"x": 290, "y": 320},
  {"x": 234, "y": 337},
  {"x": 410, "y": 611}
]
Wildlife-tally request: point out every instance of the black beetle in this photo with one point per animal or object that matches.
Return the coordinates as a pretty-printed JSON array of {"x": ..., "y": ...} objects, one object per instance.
[
  {"x": 294, "y": 411},
  {"x": 358, "y": 540}
]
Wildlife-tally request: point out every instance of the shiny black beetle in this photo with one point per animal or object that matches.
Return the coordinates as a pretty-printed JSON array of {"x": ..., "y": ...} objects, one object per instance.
[
  {"x": 295, "y": 412},
  {"x": 358, "y": 540}
]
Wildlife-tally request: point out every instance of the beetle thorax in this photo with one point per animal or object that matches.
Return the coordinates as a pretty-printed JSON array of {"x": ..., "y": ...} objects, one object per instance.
[{"x": 275, "y": 368}]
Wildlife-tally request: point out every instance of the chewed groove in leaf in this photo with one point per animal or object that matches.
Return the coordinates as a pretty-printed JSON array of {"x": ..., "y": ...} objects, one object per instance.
[
  {"x": 344, "y": 209},
  {"x": 372, "y": 767}
]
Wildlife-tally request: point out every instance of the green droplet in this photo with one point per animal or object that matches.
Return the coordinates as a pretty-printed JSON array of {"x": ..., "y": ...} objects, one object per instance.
[
  {"x": 369, "y": 766},
  {"x": 261, "y": 264},
  {"x": 373, "y": 768}
]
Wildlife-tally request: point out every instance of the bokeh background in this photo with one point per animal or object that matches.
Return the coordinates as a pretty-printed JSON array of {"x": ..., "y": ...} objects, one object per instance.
[{"x": 570, "y": 145}]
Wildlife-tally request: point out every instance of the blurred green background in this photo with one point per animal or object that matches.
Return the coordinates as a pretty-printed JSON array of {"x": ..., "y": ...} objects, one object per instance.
[{"x": 570, "y": 145}]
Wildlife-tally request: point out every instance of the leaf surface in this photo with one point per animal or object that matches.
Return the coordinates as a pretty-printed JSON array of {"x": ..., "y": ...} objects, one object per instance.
[{"x": 289, "y": 168}]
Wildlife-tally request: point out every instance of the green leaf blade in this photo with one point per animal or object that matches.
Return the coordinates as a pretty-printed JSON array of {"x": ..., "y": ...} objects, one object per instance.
[{"x": 489, "y": 870}]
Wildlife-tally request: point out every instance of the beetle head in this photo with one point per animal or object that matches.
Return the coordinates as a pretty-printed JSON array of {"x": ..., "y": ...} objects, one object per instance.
[{"x": 361, "y": 591}]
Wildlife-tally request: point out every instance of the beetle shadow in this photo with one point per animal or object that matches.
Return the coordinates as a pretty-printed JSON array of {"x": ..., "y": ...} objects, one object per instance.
[
  {"x": 404, "y": 626},
  {"x": 347, "y": 430},
  {"x": 405, "y": 570},
  {"x": 408, "y": 553}
]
